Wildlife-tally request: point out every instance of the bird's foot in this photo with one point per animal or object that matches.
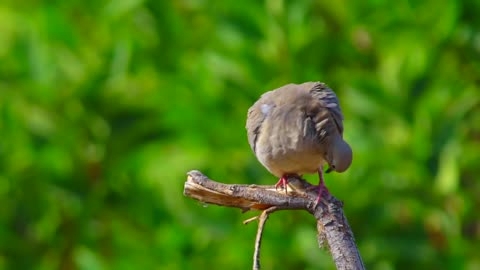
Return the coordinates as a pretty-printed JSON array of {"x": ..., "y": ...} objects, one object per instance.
[
  {"x": 321, "y": 189},
  {"x": 283, "y": 182}
]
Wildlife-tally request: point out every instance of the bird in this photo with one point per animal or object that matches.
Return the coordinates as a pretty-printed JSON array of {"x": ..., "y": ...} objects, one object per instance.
[{"x": 298, "y": 129}]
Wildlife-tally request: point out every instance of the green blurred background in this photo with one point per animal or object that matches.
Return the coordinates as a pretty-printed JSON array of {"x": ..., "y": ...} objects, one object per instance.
[{"x": 106, "y": 105}]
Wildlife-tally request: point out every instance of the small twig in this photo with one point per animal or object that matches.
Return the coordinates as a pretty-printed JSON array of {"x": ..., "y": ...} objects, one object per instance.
[
  {"x": 332, "y": 225},
  {"x": 245, "y": 222},
  {"x": 258, "y": 240}
]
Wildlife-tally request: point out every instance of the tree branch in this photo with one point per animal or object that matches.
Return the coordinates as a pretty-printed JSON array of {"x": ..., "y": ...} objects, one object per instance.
[{"x": 332, "y": 226}]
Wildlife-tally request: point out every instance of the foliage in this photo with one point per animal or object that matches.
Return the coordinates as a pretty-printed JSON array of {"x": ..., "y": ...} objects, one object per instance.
[{"x": 104, "y": 107}]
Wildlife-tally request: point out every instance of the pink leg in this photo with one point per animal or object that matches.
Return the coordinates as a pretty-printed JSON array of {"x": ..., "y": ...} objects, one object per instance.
[
  {"x": 283, "y": 182},
  {"x": 321, "y": 188},
  {"x": 321, "y": 185}
]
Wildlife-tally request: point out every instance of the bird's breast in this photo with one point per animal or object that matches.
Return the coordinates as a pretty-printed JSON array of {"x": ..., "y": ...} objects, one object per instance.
[{"x": 284, "y": 149}]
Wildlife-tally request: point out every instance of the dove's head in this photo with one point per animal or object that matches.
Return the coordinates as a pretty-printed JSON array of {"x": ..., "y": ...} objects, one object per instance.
[{"x": 340, "y": 156}]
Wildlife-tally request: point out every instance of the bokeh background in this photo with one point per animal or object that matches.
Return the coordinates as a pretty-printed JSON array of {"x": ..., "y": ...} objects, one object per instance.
[{"x": 106, "y": 105}]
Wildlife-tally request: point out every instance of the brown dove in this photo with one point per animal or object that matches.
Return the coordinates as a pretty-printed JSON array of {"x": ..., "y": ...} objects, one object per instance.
[{"x": 297, "y": 129}]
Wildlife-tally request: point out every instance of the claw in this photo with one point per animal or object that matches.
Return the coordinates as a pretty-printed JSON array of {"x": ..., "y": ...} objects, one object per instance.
[{"x": 283, "y": 182}]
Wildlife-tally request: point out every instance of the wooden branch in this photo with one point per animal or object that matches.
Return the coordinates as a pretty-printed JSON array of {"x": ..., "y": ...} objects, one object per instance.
[{"x": 332, "y": 226}]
